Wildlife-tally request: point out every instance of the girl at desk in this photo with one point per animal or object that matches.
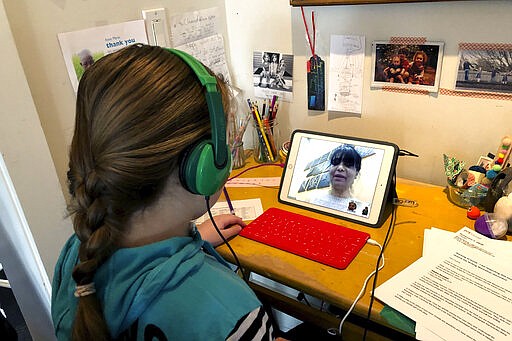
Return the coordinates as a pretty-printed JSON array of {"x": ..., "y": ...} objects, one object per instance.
[{"x": 136, "y": 268}]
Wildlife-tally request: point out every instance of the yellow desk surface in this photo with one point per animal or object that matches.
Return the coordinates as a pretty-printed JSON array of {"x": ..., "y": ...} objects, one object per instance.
[{"x": 340, "y": 287}]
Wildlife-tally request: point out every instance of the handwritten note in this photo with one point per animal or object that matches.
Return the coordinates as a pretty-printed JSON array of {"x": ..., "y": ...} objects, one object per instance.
[
  {"x": 346, "y": 73},
  {"x": 210, "y": 52},
  {"x": 192, "y": 26}
]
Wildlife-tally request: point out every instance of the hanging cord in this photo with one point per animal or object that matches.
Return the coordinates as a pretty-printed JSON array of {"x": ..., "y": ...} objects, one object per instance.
[
  {"x": 333, "y": 331},
  {"x": 207, "y": 198},
  {"x": 311, "y": 41},
  {"x": 389, "y": 233}
]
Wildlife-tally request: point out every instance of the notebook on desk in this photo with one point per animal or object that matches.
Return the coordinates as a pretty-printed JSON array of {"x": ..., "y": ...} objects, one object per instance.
[{"x": 340, "y": 176}]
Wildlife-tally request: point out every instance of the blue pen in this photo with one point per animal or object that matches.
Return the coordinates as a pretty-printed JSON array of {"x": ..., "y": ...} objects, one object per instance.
[{"x": 226, "y": 195}]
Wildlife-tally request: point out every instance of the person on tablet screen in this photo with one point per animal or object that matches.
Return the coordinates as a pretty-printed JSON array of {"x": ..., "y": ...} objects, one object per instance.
[{"x": 345, "y": 167}]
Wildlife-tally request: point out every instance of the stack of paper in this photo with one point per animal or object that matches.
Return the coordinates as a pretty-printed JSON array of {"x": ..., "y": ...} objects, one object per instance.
[{"x": 461, "y": 289}]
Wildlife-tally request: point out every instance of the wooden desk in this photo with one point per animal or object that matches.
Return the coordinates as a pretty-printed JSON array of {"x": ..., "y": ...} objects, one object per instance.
[{"x": 340, "y": 287}]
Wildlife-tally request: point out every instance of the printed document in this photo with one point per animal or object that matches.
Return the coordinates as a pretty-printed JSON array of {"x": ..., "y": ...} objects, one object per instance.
[{"x": 461, "y": 292}]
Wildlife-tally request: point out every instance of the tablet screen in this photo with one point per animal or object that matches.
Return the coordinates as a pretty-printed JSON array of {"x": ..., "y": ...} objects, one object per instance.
[{"x": 342, "y": 176}]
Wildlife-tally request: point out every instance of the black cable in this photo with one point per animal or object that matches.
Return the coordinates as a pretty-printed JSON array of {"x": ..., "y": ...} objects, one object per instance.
[
  {"x": 389, "y": 233},
  {"x": 302, "y": 297},
  {"x": 403, "y": 152},
  {"x": 207, "y": 198}
]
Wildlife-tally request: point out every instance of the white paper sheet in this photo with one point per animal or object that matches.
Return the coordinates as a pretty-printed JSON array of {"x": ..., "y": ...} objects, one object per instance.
[
  {"x": 346, "y": 73},
  {"x": 97, "y": 42},
  {"x": 192, "y": 26},
  {"x": 248, "y": 209},
  {"x": 424, "y": 334},
  {"x": 431, "y": 237},
  {"x": 210, "y": 52},
  {"x": 463, "y": 292}
]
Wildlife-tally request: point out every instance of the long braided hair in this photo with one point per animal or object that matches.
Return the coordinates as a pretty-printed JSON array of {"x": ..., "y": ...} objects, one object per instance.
[{"x": 137, "y": 110}]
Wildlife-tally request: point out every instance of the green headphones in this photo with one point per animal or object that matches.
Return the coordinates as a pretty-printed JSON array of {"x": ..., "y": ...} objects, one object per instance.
[{"x": 205, "y": 167}]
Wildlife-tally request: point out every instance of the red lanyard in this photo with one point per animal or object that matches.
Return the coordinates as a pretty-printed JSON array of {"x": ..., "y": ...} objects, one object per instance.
[{"x": 311, "y": 45}]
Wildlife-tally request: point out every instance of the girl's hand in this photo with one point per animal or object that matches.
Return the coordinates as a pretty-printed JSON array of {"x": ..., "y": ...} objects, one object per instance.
[{"x": 228, "y": 224}]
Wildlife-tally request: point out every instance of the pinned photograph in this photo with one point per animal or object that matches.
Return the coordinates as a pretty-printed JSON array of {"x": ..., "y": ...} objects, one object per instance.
[
  {"x": 485, "y": 67},
  {"x": 409, "y": 66},
  {"x": 273, "y": 75}
]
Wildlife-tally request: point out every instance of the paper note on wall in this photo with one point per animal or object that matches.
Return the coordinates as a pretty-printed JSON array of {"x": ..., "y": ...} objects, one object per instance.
[
  {"x": 198, "y": 34},
  {"x": 192, "y": 26},
  {"x": 81, "y": 49},
  {"x": 346, "y": 73},
  {"x": 210, "y": 52}
]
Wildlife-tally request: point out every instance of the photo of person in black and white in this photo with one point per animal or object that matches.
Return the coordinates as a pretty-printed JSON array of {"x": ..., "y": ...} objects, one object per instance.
[{"x": 272, "y": 73}]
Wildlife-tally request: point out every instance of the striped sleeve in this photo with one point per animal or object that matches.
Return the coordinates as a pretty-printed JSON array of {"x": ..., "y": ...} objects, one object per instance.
[{"x": 257, "y": 325}]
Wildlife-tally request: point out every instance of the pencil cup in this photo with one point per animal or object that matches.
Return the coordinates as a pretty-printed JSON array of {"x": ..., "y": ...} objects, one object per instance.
[
  {"x": 266, "y": 141},
  {"x": 238, "y": 155}
]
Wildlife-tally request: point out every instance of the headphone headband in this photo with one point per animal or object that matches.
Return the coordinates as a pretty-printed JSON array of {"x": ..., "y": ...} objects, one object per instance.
[{"x": 215, "y": 108}]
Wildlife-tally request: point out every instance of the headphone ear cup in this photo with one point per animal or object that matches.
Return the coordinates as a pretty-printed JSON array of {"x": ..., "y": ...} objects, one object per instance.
[{"x": 198, "y": 172}]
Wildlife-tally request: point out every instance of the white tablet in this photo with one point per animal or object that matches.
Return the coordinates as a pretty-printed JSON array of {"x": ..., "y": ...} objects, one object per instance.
[{"x": 346, "y": 177}]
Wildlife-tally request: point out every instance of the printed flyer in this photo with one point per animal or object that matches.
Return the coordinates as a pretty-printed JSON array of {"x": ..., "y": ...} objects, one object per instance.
[{"x": 81, "y": 49}]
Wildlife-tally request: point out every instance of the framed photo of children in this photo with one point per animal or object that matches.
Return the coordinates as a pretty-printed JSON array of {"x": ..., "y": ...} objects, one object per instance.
[
  {"x": 484, "y": 67},
  {"x": 410, "y": 66}
]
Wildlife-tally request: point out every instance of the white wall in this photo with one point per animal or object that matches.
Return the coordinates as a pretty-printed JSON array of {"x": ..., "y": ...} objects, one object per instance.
[
  {"x": 426, "y": 125},
  {"x": 24, "y": 268},
  {"x": 263, "y": 25},
  {"x": 27, "y": 156},
  {"x": 31, "y": 194}
]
